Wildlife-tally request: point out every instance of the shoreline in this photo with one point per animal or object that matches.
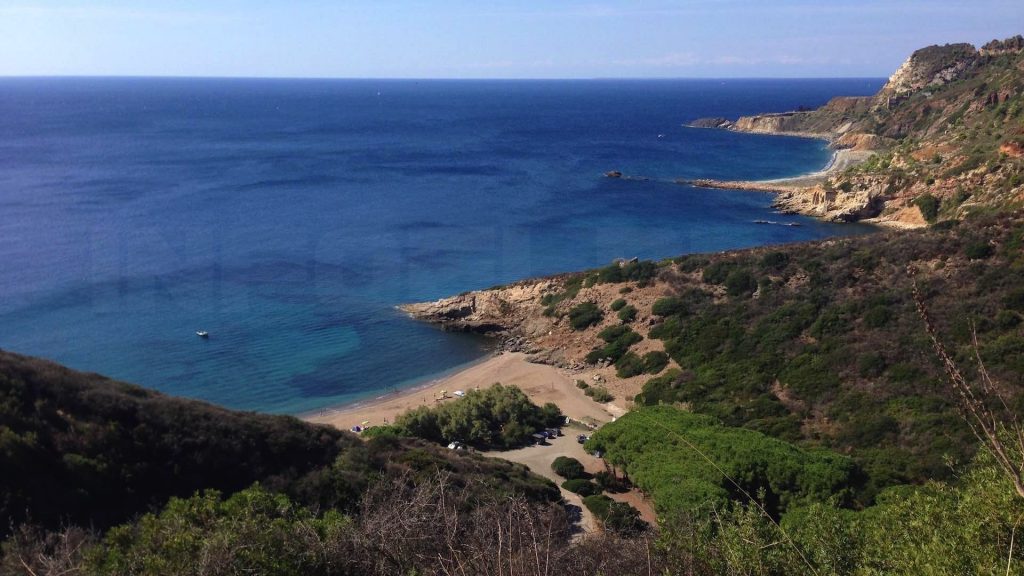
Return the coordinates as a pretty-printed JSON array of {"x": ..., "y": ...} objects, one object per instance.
[
  {"x": 542, "y": 383},
  {"x": 840, "y": 160},
  {"x": 394, "y": 392},
  {"x": 498, "y": 366}
]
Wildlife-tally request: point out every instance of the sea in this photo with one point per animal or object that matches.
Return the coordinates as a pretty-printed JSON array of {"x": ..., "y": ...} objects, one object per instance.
[{"x": 288, "y": 218}]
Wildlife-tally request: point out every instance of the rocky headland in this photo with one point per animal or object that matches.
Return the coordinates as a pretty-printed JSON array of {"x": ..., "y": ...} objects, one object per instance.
[{"x": 943, "y": 137}]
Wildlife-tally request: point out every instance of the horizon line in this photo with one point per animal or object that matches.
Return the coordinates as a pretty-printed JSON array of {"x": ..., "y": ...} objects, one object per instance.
[{"x": 423, "y": 78}]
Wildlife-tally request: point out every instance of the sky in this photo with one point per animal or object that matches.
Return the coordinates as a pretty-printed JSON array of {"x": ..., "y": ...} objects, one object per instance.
[{"x": 487, "y": 38}]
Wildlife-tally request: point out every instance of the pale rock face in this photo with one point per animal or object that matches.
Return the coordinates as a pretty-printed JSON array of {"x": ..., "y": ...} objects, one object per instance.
[
  {"x": 834, "y": 205},
  {"x": 487, "y": 310},
  {"x": 760, "y": 124},
  {"x": 860, "y": 141},
  {"x": 926, "y": 68}
]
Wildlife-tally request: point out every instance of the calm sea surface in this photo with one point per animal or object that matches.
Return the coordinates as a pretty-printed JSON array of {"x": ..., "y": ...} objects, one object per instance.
[{"x": 289, "y": 217}]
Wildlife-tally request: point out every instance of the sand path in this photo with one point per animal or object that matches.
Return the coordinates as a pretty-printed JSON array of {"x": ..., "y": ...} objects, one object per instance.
[
  {"x": 539, "y": 458},
  {"x": 540, "y": 382}
]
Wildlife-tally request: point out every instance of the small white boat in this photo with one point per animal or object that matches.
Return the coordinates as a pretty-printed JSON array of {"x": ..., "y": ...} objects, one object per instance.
[{"x": 202, "y": 333}]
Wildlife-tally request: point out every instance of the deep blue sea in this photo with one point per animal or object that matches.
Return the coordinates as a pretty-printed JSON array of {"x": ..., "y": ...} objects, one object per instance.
[{"x": 289, "y": 217}]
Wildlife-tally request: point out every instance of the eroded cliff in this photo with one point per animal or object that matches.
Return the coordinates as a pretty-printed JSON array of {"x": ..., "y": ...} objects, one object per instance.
[{"x": 947, "y": 130}]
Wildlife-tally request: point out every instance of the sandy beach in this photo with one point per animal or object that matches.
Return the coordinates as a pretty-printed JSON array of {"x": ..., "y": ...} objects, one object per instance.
[
  {"x": 841, "y": 160},
  {"x": 542, "y": 383}
]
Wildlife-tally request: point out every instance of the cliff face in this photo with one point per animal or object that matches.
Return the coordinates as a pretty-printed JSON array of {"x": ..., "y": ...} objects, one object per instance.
[
  {"x": 505, "y": 310},
  {"x": 928, "y": 67},
  {"x": 947, "y": 128},
  {"x": 791, "y": 122}
]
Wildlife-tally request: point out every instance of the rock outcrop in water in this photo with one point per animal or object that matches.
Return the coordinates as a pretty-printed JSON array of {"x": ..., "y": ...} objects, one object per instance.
[{"x": 494, "y": 312}]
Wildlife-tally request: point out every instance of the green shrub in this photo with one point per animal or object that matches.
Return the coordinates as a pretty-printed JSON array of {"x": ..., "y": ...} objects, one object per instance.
[
  {"x": 654, "y": 362},
  {"x": 617, "y": 305},
  {"x": 619, "y": 339},
  {"x": 254, "y": 532},
  {"x": 494, "y": 417},
  {"x": 668, "y": 306},
  {"x": 600, "y": 394},
  {"x": 582, "y": 385},
  {"x": 1015, "y": 300},
  {"x": 775, "y": 260},
  {"x": 978, "y": 250},
  {"x": 568, "y": 468},
  {"x": 582, "y": 487},
  {"x": 585, "y": 315},
  {"x": 613, "y": 333},
  {"x": 877, "y": 316},
  {"x": 622, "y": 518},
  {"x": 598, "y": 505},
  {"x": 629, "y": 365},
  {"x": 871, "y": 365},
  {"x": 1007, "y": 319},
  {"x": 640, "y": 271},
  {"x": 740, "y": 282},
  {"x": 627, "y": 314},
  {"x": 929, "y": 206},
  {"x": 717, "y": 273},
  {"x": 609, "y": 482},
  {"x": 385, "y": 430}
]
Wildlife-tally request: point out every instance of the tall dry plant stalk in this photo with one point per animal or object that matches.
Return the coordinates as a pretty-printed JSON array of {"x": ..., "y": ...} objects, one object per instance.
[{"x": 982, "y": 404}]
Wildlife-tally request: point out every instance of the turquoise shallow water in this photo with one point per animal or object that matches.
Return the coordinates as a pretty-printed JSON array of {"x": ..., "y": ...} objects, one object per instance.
[{"x": 289, "y": 217}]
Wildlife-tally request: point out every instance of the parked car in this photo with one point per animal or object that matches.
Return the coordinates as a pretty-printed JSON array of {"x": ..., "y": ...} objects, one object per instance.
[{"x": 582, "y": 438}]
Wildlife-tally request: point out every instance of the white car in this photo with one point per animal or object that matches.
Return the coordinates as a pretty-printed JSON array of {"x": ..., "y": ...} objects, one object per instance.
[{"x": 459, "y": 393}]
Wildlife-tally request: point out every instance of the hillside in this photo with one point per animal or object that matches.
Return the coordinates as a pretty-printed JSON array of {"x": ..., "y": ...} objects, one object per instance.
[
  {"x": 947, "y": 131},
  {"x": 86, "y": 450},
  {"x": 816, "y": 343},
  {"x": 782, "y": 406}
]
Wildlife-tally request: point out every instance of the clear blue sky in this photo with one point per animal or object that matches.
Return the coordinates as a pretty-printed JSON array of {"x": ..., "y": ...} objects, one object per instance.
[{"x": 487, "y": 39}]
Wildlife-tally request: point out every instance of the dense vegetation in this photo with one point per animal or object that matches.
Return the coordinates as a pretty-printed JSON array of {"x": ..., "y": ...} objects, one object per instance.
[
  {"x": 83, "y": 450},
  {"x": 424, "y": 528},
  {"x": 966, "y": 528},
  {"x": 618, "y": 517},
  {"x": 831, "y": 352},
  {"x": 495, "y": 417},
  {"x": 666, "y": 452}
]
